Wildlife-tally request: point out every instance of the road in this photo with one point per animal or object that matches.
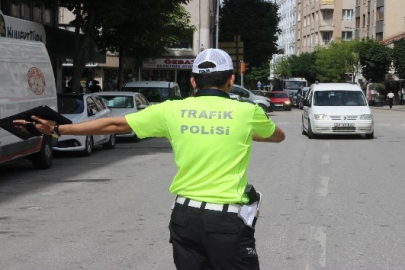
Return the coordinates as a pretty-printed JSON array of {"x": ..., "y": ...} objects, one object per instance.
[{"x": 329, "y": 203}]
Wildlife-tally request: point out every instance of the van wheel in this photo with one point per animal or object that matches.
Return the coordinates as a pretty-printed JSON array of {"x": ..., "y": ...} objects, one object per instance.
[
  {"x": 43, "y": 159},
  {"x": 302, "y": 127},
  {"x": 88, "y": 150},
  {"x": 311, "y": 135},
  {"x": 111, "y": 142}
]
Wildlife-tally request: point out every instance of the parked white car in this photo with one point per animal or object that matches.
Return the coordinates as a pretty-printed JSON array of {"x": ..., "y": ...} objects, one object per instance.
[
  {"x": 248, "y": 95},
  {"x": 336, "y": 108},
  {"x": 80, "y": 108},
  {"x": 122, "y": 103}
]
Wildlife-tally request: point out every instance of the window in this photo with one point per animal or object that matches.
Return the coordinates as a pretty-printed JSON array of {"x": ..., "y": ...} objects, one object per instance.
[
  {"x": 358, "y": 23},
  {"x": 379, "y": 36},
  {"x": 15, "y": 10},
  {"x": 47, "y": 16},
  {"x": 357, "y": 3},
  {"x": 347, "y": 15},
  {"x": 37, "y": 13},
  {"x": 347, "y": 35},
  {"x": 380, "y": 14},
  {"x": 25, "y": 11}
]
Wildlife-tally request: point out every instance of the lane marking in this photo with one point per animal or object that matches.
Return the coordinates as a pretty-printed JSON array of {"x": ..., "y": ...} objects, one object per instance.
[
  {"x": 323, "y": 189},
  {"x": 318, "y": 234}
]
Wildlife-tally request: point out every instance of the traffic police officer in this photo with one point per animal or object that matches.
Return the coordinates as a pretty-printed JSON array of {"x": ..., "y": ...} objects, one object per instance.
[{"x": 211, "y": 136}]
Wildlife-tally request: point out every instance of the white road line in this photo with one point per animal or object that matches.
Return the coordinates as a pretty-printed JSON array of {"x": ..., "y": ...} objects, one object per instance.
[
  {"x": 325, "y": 159},
  {"x": 323, "y": 189},
  {"x": 318, "y": 234}
]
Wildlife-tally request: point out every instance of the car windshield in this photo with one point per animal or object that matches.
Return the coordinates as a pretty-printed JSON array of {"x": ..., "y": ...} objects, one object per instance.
[
  {"x": 294, "y": 84},
  {"x": 152, "y": 94},
  {"x": 70, "y": 105},
  {"x": 118, "y": 102},
  {"x": 339, "y": 98},
  {"x": 277, "y": 95}
]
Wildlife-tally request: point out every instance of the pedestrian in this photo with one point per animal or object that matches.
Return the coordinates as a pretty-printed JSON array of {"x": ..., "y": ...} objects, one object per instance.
[
  {"x": 211, "y": 135},
  {"x": 390, "y": 99},
  {"x": 259, "y": 85},
  {"x": 95, "y": 87}
]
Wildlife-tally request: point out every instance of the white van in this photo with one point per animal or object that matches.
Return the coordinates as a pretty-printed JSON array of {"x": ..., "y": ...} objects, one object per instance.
[
  {"x": 336, "y": 108},
  {"x": 26, "y": 81},
  {"x": 154, "y": 91}
]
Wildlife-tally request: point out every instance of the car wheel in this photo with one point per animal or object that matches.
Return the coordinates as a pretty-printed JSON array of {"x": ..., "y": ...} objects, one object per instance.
[
  {"x": 43, "y": 159},
  {"x": 370, "y": 136},
  {"x": 111, "y": 142},
  {"x": 89, "y": 146},
  {"x": 310, "y": 134}
]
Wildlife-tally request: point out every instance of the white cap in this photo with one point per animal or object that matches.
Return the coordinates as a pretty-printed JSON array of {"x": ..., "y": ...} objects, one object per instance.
[{"x": 219, "y": 58}]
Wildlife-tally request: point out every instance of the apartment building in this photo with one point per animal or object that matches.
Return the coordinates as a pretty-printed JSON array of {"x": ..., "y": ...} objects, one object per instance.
[
  {"x": 286, "y": 39},
  {"x": 382, "y": 20},
  {"x": 321, "y": 21}
]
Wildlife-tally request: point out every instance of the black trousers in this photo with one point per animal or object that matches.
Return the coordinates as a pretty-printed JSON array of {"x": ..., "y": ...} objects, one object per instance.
[
  {"x": 211, "y": 240},
  {"x": 390, "y": 102}
]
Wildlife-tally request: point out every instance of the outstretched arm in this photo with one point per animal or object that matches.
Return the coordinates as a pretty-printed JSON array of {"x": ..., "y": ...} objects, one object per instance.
[{"x": 107, "y": 125}]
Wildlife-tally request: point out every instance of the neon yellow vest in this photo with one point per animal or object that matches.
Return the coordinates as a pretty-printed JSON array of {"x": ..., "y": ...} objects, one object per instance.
[{"x": 211, "y": 138}]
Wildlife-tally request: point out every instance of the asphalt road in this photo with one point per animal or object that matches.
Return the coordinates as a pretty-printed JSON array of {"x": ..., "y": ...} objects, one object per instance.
[{"x": 329, "y": 203}]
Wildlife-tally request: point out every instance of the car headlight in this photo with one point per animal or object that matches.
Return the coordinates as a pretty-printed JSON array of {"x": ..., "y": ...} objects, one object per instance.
[
  {"x": 366, "y": 117},
  {"x": 321, "y": 117},
  {"x": 287, "y": 102}
]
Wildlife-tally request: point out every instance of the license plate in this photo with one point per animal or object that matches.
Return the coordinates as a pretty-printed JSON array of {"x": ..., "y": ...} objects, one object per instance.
[
  {"x": 344, "y": 124},
  {"x": 278, "y": 104}
]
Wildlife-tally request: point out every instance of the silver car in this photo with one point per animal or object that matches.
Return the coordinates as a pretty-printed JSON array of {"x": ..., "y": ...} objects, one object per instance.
[
  {"x": 80, "y": 108},
  {"x": 122, "y": 103}
]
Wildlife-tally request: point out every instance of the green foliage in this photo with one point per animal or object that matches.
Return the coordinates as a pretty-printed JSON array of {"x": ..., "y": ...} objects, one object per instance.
[
  {"x": 256, "y": 21},
  {"x": 379, "y": 87},
  {"x": 375, "y": 59},
  {"x": 398, "y": 57},
  {"x": 338, "y": 58},
  {"x": 282, "y": 67},
  {"x": 303, "y": 66},
  {"x": 257, "y": 74}
]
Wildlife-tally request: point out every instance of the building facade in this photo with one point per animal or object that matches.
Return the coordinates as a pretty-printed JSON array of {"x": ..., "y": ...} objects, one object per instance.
[
  {"x": 321, "y": 21},
  {"x": 382, "y": 20}
]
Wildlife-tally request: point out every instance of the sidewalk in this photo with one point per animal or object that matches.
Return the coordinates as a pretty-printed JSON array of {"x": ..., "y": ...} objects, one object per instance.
[{"x": 387, "y": 107}]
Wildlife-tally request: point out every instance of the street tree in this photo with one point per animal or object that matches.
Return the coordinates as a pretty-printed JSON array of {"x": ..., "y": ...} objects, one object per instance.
[
  {"x": 375, "y": 59},
  {"x": 398, "y": 57},
  {"x": 303, "y": 66},
  {"x": 145, "y": 35},
  {"x": 335, "y": 60},
  {"x": 256, "y": 22}
]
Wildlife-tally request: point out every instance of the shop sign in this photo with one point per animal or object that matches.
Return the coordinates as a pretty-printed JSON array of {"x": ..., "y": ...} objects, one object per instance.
[
  {"x": 169, "y": 63},
  {"x": 21, "y": 29}
]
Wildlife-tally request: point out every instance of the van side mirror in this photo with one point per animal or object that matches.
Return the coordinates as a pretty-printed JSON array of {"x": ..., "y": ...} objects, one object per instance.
[{"x": 307, "y": 103}]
